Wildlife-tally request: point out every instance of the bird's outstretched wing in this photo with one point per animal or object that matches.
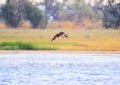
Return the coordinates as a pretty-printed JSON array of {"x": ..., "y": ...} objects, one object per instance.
[{"x": 54, "y": 38}]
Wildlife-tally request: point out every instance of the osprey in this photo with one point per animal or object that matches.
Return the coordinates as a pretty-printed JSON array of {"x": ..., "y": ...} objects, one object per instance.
[{"x": 58, "y": 35}]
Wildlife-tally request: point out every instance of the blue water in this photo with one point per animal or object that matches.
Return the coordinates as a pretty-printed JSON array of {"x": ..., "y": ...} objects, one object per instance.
[{"x": 59, "y": 69}]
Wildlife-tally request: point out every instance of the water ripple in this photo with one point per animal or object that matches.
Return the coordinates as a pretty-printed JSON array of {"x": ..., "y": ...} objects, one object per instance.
[{"x": 59, "y": 69}]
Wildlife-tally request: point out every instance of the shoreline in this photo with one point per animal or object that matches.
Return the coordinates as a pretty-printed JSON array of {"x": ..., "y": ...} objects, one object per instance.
[{"x": 56, "y": 51}]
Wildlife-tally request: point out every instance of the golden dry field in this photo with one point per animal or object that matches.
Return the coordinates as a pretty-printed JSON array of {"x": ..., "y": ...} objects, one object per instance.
[{"x": 85, "y": 40}]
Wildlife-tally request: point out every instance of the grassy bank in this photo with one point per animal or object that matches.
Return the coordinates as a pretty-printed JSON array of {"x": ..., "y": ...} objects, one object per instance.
[{"x": 19, "y": 39}]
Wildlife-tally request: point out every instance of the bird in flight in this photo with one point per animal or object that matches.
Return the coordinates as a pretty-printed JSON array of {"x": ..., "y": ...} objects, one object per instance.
[{"x": 59, "y": 34}]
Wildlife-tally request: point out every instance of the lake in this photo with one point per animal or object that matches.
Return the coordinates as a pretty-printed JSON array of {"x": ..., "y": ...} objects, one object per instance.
[{"x": 59, "y": 69}]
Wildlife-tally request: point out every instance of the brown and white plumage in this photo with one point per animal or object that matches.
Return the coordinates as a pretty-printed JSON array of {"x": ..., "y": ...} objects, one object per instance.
[{"x": 58, "y": 35}]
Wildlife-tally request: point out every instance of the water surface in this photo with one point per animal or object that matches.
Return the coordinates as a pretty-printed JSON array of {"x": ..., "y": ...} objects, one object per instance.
[{"x": 59, "y": 69}]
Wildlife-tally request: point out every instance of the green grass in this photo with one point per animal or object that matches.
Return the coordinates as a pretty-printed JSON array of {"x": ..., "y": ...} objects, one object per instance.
[{"x": 19, "y": 45}]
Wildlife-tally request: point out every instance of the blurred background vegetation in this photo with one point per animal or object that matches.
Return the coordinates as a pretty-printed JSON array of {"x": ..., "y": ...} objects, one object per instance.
[
  {"x": 21, "y": 21},
  {"x": 101, "y": 14}
]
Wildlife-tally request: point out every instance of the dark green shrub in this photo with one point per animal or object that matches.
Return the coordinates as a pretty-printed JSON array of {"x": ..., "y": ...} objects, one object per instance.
[
  {"x": 111, "y": 18},
  {"x": 9, "y": 14},
  {"x": 34, "y": 15}
]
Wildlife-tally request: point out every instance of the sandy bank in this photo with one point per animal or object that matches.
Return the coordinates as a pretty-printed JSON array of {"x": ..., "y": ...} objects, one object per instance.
[{"x": 56, "y": 51}]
